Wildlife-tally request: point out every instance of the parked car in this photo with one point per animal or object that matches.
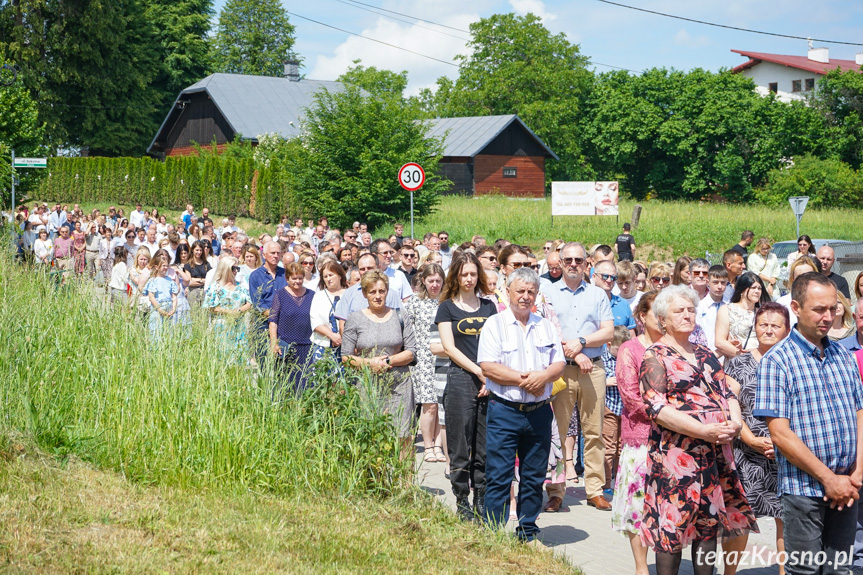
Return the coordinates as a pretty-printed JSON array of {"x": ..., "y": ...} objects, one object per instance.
[{"x": 782, "y": 249}]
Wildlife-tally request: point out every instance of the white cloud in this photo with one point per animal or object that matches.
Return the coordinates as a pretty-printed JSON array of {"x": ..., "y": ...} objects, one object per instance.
[
  {"x": 684, "y": 38},
  {"x": 422, "y": 38},
  {"x": 537, "y": 7}
]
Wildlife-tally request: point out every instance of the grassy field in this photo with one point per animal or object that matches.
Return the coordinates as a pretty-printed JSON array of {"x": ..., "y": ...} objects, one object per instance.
[
  {"x": 666, "y": 229},
  {"x": 66, "y": 516},
  {"x": 124, "y": 454}
]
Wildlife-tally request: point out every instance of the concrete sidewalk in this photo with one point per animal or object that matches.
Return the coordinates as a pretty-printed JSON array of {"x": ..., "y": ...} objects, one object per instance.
[{"x": 584, "y": 534}]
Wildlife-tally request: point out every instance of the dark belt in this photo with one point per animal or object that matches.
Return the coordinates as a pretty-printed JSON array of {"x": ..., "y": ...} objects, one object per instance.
[
  {"x": 523, "y": 407},
  {"x": 570, "y": 361}
]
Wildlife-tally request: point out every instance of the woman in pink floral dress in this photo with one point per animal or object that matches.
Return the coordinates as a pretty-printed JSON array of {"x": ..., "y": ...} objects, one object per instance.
[{"x": 693, "y": 493}]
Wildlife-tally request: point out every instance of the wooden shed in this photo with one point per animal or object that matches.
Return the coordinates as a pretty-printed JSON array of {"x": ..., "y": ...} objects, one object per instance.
[
  {"x": 482, "y": 154},
  {"x": 492, "y": 155}
]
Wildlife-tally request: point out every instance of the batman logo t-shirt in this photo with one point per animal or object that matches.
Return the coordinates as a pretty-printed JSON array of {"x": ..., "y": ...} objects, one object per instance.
[{"x": 466, "y": 326}]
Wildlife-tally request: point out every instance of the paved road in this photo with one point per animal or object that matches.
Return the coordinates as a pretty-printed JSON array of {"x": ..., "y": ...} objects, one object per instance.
[{"x": 584, "y": 534}]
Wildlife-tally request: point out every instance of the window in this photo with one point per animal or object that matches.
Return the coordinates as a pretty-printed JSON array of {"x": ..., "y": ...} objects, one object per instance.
[
  {"x": 773, "y": 87},
  {"x": 810, "y": 84},
  {"x": 796, "y": 85},
  {"x": 509, "y": 172}
]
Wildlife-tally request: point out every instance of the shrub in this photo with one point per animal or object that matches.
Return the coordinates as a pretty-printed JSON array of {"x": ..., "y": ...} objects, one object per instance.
[{"x": 828, "y": 183}]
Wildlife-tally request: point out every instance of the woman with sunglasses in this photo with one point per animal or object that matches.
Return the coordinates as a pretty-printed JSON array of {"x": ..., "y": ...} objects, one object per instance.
[
  {"x": 487, "y": 258},
  {"x": 228, "y": 301},
  {"x": 804, "y": 248},
  {"x": 310, "y": 274},
  {"x": 659, "y": 276}
]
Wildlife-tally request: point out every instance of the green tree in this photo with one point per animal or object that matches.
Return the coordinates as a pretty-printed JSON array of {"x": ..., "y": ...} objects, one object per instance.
[
  {"x": 516, "y": 66},
  {"x": 253, "y": 37},
  {"x": 839, "y": 98},
  {"x": 91, "y": 65},
  {"x": 686, "y": 135},
  {"x": 381, "y": 83},
  {"x": 829, "y": 183},
  {"x": 182, "y": 27},
  {"x": 352, "y": 149},
  {"x": 21, "y": 130}
]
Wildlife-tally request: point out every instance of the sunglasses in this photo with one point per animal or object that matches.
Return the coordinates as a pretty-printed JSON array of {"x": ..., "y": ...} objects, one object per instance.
[
  {"x": 408, "y": 256},
  {"x": 489, "y": 258},
  {"x": 608, "y": 277},
  {"x": 308, "y": 263},
  {"x": 699, "y": 274},
  {"x": 546, "y": 248},
  {"x": 658, "y": 280},
  {"x": 534, "y": 267},
  {"x": 235, "y": 269},
  {"x": 516, "y": 265},
  {"x": 572, "y": 261}
]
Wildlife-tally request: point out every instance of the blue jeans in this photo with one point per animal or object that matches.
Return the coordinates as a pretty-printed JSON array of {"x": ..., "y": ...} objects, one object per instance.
[
  {"x": 811, "y": 527},
  {"x": 510, "y": 432}
]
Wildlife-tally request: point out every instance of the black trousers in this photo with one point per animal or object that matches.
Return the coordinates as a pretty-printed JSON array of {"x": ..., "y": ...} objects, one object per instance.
[{"x": 465, "y": 430}]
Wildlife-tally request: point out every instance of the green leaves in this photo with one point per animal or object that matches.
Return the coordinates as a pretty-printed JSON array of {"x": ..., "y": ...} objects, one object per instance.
[{"x": 253, "y": 37}]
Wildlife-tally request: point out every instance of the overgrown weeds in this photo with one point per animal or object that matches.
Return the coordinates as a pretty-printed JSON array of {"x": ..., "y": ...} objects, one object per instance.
[{"x": 83, "y": 378}]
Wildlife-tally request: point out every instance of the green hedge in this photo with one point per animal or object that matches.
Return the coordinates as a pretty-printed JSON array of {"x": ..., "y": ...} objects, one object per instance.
[{"x": 224, "y": 184}]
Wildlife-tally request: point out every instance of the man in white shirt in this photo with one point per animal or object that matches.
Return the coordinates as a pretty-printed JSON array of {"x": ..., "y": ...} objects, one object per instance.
[
  {"x": 519, "y": 416},
  {"x": 136, "y": 218},
  {"x": 151, "y": 242},
  {"x": 55, "y": 220},
  {"x": 398, "y": 281},
  {"x": 705, "y": 314}
]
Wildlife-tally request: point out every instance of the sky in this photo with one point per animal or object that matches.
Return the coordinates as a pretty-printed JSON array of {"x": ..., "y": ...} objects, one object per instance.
[{"x": 607, "y": 34}]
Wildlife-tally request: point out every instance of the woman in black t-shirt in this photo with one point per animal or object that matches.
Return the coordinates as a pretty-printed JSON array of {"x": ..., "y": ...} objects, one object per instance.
[
  {"x": 460, "y": 318},
  {"x": 197, "y": 267}
]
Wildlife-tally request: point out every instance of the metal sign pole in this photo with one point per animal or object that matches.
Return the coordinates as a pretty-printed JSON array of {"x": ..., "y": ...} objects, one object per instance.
[
  {"x": 412, "y": 215},
  {"x": 13, "y": 184}
]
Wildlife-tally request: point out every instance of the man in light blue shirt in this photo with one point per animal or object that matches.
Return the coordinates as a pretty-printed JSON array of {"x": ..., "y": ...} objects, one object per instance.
[
  {"x": 354, "y": 300},
  {"x": 55, "y": 220},
  {"x": 520, "y": 355},
  {"x": 586, "y": 323}
]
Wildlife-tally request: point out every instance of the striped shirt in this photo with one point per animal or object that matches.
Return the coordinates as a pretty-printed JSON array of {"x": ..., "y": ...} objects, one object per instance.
[
  {"x": 503, "y": 341},
  {"x": 819, "y": 397}
]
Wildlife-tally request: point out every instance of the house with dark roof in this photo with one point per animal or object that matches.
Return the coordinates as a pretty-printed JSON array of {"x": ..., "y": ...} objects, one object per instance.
[
  {"x": 492, "y": 155},
  {"x": 791, "y": 77},
  {"x": 482, "y": 154},
  {"x": 224, "y": 106}
]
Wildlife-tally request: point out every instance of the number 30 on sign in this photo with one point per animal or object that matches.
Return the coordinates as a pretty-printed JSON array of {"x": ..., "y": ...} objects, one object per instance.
[{"x": 412, "y": 177}]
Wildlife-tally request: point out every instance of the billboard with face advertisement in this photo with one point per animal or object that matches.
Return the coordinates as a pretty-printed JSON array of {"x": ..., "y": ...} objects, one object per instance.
[{"x": 584, "y": 198}]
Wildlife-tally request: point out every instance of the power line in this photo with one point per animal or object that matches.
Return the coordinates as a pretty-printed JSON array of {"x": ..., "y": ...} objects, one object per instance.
[
  {"x": 355, "y": 5},
  {"x": 375, "y": 40},
  {"x": 412, "y": 17},
  {"x": 727, "y": 27}
]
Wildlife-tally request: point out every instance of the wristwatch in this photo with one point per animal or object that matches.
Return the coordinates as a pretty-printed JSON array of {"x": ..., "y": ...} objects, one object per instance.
[
  {"x": 387, "y": 360},
  {"x": 582, "y": 341}
]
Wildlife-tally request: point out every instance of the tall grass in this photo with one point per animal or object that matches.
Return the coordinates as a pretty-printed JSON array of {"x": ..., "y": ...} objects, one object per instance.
[{"x": 83, "y": 378}]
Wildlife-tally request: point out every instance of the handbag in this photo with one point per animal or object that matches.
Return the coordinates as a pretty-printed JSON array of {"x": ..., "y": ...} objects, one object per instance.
[{"x": 557, "y": 386}]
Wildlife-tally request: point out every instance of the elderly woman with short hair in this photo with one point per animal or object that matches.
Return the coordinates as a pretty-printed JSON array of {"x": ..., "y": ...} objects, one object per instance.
[
  {"x": 693, "y": 492},
  {"x": 382, "y": 339}
]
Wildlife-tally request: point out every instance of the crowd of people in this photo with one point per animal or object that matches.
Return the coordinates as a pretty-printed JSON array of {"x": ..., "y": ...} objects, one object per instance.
[{"x": 690, "y": 398}]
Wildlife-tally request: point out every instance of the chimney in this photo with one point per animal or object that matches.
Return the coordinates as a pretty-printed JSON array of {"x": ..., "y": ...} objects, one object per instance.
[
  {"x": 820, "y": 55},
  {"x": 292, "y": 70},
  {"x": 859, "y": 58}
]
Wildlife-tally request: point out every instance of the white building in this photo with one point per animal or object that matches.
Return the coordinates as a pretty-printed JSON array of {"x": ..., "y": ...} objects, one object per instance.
[{"x": 791, "y": 77}]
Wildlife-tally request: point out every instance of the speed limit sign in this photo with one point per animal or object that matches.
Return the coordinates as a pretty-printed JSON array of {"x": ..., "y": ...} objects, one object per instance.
[{"x": 412, "y": 177}]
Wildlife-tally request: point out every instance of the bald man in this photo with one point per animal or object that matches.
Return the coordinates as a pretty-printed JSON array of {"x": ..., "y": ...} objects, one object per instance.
[{"x": 827, "y": 257}]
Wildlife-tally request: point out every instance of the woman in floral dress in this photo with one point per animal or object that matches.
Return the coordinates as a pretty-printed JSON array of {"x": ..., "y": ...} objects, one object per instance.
[
  {"x": 627, "y": 507},
  {"x": 227, "y": 301},
  {"x": 423, "y": 309},
  {"x": 79, "y": 249},
  {"x": 693, "y": 492}
]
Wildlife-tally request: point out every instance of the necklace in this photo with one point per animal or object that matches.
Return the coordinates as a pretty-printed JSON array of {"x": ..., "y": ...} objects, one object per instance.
[{"x": 463, "y": 305}]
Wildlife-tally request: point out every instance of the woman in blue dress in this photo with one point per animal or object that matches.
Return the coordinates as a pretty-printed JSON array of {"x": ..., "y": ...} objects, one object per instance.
[
  {"x": 228, "y": 301},
  {"x": 291, "y": 328},
  {"x": 162, "y": 294}
]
